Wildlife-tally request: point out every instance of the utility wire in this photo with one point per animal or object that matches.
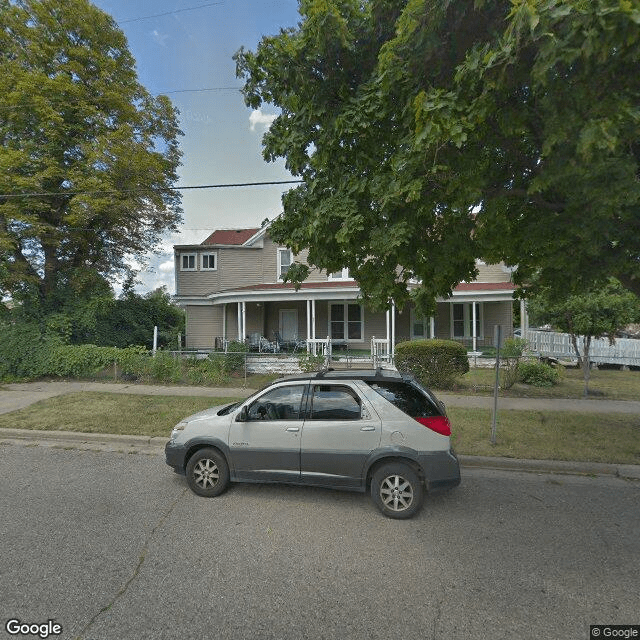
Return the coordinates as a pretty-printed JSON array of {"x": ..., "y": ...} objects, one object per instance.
[
  {"x": 168, "y": 13},
  {"x": 118, "y": 191}
]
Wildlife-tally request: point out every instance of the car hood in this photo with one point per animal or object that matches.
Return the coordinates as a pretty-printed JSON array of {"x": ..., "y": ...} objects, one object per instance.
[{"x": 211, "y": 412}]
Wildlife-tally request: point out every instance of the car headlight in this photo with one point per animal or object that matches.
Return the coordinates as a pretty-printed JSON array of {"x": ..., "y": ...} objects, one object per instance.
[{"x": 177, "y": 429}]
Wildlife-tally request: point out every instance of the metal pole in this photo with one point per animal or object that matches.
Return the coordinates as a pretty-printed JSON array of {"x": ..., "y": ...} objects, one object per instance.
[
  {"x": 498, "y": 341},
  {"x": 155, "y": 339}
]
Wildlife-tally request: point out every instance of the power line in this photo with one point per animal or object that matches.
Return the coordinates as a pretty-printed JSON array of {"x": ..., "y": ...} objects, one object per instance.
[
  {"x": 168, "y": 13},
  {"x": 119, "y": 191}
]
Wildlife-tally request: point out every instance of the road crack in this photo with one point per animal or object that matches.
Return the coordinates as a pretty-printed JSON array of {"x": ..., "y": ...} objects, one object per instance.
[{"x": 125, "y": 587}]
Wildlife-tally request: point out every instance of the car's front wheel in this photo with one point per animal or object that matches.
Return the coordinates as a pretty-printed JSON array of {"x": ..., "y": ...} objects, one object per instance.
[
  {"x": 207, "y": 473},
  {"x": 397, "y": 490}
]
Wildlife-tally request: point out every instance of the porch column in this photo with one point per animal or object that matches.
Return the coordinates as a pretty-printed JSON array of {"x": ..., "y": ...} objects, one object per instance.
[
  {"x": 388, "y": 332},
  {"x": 524, "y": 319},
  {"x": 432, "y": 327},
  {"x": 308, "y": 323},
  {"x": 244, "y": 321},
  {"x": 392, "y": 346},
  {"x": 239, "y": 322},
  {"x": 473, "y": 330},
  {"x": 224, "y": 321},
  {"x": 313, "y": 319}
]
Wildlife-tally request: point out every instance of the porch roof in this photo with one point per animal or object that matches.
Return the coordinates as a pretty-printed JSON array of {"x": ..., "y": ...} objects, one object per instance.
[{"x": 349, "y": 290}]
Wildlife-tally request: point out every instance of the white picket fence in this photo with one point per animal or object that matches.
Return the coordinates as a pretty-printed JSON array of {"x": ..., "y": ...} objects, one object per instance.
[{"x": 624, "y": 351}]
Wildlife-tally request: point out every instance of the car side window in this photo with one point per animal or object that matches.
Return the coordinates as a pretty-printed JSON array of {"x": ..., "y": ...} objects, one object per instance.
[
  {"x": 282, "y": 403},
  {"x": 407, "y": 398},
  {"x": 334, "y": 402}
]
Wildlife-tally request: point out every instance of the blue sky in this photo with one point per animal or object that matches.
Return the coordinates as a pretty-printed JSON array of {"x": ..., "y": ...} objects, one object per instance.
[{"x": 192, "y": 48}]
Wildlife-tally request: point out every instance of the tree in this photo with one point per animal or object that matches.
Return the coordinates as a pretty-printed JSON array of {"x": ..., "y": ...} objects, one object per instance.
[
  {"x": 88, "y": 156},
  {"x": 592, "y": 314},
  {"x": 430, "y": 134}
]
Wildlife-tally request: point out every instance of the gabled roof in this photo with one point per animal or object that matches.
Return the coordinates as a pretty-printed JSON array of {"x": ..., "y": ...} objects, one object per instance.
[{"x": 234, "y": 237}]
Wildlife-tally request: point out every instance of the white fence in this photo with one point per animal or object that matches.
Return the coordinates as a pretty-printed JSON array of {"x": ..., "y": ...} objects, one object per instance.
[{"x": 624, "y": 351}]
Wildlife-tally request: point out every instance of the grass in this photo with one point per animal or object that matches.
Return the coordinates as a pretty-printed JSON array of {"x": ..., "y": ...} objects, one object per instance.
[
  {"x": 604, "y": 384},
  {"x": 548, "y": 435},
  {"x": 95, "y": 412},
  {"x": 613, "y": 438}
]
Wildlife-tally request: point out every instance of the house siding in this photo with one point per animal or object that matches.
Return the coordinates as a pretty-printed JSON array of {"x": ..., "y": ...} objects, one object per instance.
[{"x": 204, "y": 324}]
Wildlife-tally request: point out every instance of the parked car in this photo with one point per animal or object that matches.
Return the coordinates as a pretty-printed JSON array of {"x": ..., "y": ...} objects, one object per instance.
[{"x": 372, "y": 430}]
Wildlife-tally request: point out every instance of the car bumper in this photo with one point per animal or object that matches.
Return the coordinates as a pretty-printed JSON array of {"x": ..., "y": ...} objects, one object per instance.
[
  {"x": 441, "y": 470},
  {"x": 175, "y": 455}
]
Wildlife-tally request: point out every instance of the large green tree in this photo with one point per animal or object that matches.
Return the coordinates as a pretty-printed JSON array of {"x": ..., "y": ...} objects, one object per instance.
[
  {"x": 430, "y": 133},
  {"x": 88, "y": 156}
]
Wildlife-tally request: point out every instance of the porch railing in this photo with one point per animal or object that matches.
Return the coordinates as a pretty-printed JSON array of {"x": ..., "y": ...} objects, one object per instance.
[{"x": 380, "y": 351}]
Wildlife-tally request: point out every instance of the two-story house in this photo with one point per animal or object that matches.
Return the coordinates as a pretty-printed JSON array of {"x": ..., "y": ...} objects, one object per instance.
[{"x": 231, "y": 286}]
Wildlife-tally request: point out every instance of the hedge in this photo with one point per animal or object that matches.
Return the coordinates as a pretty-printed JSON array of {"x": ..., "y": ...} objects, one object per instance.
[{"x": 435, "y": 363}]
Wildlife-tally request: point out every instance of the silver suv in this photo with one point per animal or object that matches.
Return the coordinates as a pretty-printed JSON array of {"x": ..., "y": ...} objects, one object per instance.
[{"x": 358, "y": 430}]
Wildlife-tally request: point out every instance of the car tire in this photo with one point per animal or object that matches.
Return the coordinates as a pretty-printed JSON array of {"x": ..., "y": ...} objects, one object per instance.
[
  {"x": 397, "y": 490},
  {"x": 207, "y": 473}
]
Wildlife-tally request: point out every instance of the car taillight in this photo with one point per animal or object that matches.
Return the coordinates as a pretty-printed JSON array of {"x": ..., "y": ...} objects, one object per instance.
[{"x": 439, "y": 424}]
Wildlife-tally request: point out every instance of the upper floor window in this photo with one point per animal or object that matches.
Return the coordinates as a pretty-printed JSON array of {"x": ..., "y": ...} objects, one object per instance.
[
  {"x": 209, "y": 261},
  {"x": 285, "y": 260},
  {"x": 187, "y": 262},
  {"x": 339, "y": 275}
]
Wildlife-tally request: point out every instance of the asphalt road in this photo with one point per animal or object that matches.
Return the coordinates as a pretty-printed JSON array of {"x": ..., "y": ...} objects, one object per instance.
[{"x": 113, "y": 546}]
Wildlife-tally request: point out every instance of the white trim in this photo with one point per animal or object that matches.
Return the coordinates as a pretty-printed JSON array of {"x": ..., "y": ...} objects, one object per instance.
[
  {"x": 215, "y": 260},
  {"x": 467, "y": 320},
  {"x": 282, "y": 250},
  {"x": 345, "y": 305},
  {"x": 425, "y": 322},
  {"x": 189, "y": 255},
  {"x": 344, "y": 275}
]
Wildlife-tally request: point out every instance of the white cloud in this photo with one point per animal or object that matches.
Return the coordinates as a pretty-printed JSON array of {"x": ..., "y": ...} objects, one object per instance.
[
  {"x": 166, "y": 267},
  {"x": 262, "y": 119},
  {"x": 160, "y": 38}
]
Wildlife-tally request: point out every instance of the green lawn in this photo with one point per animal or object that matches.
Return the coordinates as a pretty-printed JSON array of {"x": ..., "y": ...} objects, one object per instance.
[
  {"x": 520, "y": 434},
  {"x": 606, "y": 384}
]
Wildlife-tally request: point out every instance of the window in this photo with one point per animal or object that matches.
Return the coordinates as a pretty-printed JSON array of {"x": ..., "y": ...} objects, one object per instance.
[
  {"x": 188, "y": 262},
  {"x": 332, "y": 402},
  {"x": 282, "y": 403},
  {"x": 346, "y": 321},
  {"x": 339, "y": 275},
  {"x": 407, "y": 398},
  {"x": 420, "y": 326},
  {"x": 209, "y": 261},
  {"x": 285, "y": 260},
  {"x": 462, "y": 319}
]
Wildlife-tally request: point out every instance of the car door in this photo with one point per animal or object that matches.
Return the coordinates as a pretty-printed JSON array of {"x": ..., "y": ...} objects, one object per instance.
[
  {"x": 264, "y": 439},
  {"x": 341, "y": 429}
]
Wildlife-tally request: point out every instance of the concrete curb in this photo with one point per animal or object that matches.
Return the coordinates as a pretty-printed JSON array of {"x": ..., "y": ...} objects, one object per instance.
[{"x": 154, "y": 445}]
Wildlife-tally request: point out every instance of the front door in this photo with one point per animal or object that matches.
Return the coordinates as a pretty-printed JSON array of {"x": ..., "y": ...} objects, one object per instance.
[
  {"x": 289, "y": 324},
  {"x": 266, "y": 445}
]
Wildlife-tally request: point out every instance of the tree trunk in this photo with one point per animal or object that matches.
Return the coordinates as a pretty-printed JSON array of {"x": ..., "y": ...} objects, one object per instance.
[{"x": 574, "y": 342}]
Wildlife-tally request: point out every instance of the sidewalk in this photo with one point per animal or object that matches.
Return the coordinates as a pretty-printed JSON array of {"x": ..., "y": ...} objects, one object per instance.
[{"x": 20, "y": 395}]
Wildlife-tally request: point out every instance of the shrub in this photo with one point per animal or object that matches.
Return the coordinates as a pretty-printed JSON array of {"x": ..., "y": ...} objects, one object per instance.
[
  {"x": 510, "y": 355},
  {"x": 235, "y": 356},
  {"x": 164, "y": 367},
  {"x": 210, "y": 370},
  {"x": 435, "y": 363},
  {"x": 308, "y": 362},
  {"x": 538, "y": 374}
]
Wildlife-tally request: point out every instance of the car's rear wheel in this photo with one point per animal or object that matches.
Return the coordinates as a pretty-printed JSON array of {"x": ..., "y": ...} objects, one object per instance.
[
  {"x": 207, "y": 473},
  {"x": 397, "y": 490}
]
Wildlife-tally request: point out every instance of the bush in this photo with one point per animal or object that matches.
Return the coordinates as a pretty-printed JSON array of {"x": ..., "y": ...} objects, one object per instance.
[
  {"x": 210, "y": 370},
  {"x": 510, "y": 355},
  {"x": 235, "y": 356},
  {"x": 435, "y": 363},
  {"x": 309, "y": 363},
  {"x": 538, "y": 374}
]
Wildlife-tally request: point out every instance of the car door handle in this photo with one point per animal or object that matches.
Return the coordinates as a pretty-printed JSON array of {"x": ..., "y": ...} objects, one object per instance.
[
  {"x": 367, "y": 428},
  {"x": 292, "y": 429}
]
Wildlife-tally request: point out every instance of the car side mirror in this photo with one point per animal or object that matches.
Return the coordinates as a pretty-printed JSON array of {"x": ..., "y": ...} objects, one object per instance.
[{"x": 243, "y": 416}]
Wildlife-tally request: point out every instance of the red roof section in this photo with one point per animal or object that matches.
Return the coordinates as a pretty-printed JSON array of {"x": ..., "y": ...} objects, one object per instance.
[
  {"x": 230, "y": 236},
  {"x": 336, "y": 284},
  {"x": 485, "y": 286}
]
